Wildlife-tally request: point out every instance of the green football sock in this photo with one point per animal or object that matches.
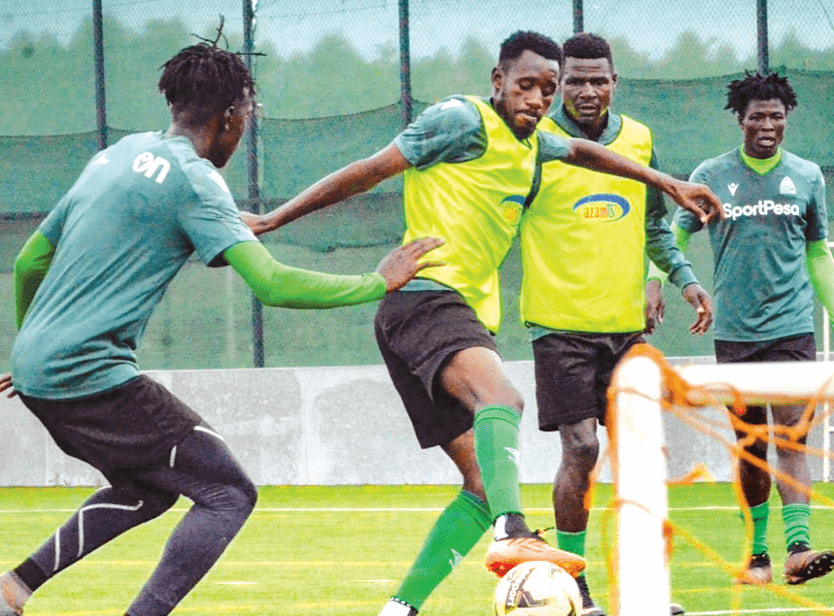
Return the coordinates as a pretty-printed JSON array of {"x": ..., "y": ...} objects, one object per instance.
[
  {"x": 571, "y": 542},
  {"x": 760, "y": 514},
  {"x": 797, "y": 520},
  {"x": 496, "y": 448},
  {"x": 456, "y": 531}
]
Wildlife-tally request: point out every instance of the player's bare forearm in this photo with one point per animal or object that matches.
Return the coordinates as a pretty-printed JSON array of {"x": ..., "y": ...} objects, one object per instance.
[
  {"x": 696, "y": 198},
  {"x": 357, "y": 177}
]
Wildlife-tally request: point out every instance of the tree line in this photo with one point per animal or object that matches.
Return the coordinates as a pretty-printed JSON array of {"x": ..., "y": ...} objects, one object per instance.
[{"x": 48, "y": 87}]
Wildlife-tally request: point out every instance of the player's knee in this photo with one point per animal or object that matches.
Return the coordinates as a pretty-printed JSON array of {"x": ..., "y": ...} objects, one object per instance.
[{"x": 583, "y": 453}]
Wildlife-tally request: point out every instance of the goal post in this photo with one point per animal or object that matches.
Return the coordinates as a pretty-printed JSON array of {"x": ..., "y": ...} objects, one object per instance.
[{"x": 639, "y": 388}]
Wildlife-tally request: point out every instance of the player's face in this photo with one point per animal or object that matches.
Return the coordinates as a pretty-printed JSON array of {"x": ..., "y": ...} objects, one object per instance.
[
  {"x": 588, "y": 85},
  {"x": 523, "y": 90},
  {"x": 763, "y": 126},
  {"x": 234, "y": 125}
]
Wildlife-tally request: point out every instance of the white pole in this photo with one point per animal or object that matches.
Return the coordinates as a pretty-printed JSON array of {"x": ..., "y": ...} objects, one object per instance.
[
  {"x": 826, "y": 426},
  {"x": 640, "y": 472}
]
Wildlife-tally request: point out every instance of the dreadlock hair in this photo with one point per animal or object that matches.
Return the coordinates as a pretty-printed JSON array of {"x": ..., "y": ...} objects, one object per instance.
[
  {"x": 205, "y": 79},
  {"x": 519, "y": 42},
  {"x": 756, "y": 86},
  {"x": 587, "y": 46}
]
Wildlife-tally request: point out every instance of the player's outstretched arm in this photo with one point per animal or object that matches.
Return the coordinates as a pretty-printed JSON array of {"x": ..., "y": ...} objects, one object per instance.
[
  {"x": 275, "y": 284},
  {"x": 355, "y": 178},
  {"x": 403, "y": 263},
  {"x": 696, "y": 198}
]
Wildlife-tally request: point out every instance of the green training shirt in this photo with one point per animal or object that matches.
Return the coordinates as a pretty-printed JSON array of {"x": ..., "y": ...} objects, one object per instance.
[
  {"x": 470, "y": 180},
  {"x": 762, "y": 291},
  {"x": 137, "y": 212}
]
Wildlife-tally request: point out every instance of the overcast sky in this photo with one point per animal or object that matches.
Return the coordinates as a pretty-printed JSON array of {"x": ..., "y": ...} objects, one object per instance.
[{"x": 650, "y": 25}]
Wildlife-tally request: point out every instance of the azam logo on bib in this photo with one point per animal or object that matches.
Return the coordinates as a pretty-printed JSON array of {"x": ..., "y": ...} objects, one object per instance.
[
  {"x": 511, "y": 208},
  {"x": 605, "y": 207},
  {"x": 787, "y": 187}
]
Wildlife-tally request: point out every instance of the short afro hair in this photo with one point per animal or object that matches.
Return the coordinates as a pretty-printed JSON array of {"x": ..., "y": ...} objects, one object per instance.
[
  {"x": 587, "y": 46},
  {"x": 758, "y": 87},
  {"x": 521, "y": 41},
  {"x": 205, "y": 77}
]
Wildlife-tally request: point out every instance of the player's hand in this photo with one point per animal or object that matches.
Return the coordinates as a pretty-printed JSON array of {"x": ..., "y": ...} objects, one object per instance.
[
  {"x": 702, "y": 303},
  {"x": 254, "y": 222},
  {"x": 6, "y": 384},
  {"x": 698, "y": 199},
  {"x": 655, "y": 306},
  {"x": 401, "y": 264}
]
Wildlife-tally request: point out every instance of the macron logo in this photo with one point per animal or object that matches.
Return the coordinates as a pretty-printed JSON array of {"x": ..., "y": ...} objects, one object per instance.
[
  {"x": 101, "y": 159},
  {"x": 733, "y": 187},
  {"x": 449, "y": 104},
  {"x": 218, "y": 179},
  {"x": 513, "y": 455}
]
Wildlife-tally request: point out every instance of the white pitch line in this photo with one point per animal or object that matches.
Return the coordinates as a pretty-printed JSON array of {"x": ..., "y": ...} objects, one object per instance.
[
  {"x": 398, "y": 509},
  {"x": 769, "y": 610}
]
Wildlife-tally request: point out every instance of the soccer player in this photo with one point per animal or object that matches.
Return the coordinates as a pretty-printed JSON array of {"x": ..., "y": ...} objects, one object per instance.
[
  {"x": 469, "y": 166},
  {"x": 583, "y": 241},
  {"x": 770, "y": 257},
  {"x": 86, "y": 283}
]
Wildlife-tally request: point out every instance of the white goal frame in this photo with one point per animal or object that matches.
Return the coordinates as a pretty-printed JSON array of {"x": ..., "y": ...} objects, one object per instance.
[{"x": 639, "y": 465}]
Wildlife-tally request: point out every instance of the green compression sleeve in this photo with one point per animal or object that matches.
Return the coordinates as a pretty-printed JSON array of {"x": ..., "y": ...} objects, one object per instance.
[
  {"x": 820, "y": 266},
  {"x": 30, "y": 269},
  {"x": 682, "y": 241},
  {"x": 289, "y": 287}
]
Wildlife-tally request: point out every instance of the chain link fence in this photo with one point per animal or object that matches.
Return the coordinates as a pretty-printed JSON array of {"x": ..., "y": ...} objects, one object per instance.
[{"x": 331, "y": 79}]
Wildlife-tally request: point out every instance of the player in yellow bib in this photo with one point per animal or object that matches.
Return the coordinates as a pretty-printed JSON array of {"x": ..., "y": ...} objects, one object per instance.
[
  {"x": 583, "y": 241},
  {"x": 469, "y": 168}
]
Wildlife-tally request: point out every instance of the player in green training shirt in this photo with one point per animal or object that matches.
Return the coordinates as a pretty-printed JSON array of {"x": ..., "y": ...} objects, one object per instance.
[
  {"x": 86, "y": 284},
  {"x": 583, "y": 244},
  {"x": 770, "y": 257},
  {"x": 469, "y": 166}
]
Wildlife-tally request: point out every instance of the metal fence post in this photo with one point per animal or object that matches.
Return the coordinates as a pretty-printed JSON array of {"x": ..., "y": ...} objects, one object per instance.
[
  {"x": 249, "y": 7},
  {"x": 762, "y": 43},
  {"x": 98, "y": 56},
  {"x": 405, "y": 64}
]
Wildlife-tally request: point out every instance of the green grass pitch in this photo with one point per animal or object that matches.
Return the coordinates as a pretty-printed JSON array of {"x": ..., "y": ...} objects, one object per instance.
[{"x": 342, "y": 551}]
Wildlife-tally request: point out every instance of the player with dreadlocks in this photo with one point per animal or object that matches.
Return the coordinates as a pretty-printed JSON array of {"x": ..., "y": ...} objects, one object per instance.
[
  {"x": 770, "y": 257},
  {"x": 86, "y": 283}
]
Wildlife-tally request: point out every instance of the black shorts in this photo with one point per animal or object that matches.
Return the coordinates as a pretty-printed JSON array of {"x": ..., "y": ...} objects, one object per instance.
[
  {"x": 573, "y": 372},
  {"x": 794, "y": 348},
  {"x": 417, "y": 333},
  {"x": 129, "y": 427}
]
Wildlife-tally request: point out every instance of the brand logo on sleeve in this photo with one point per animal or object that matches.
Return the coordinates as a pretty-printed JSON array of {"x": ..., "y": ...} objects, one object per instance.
[
  {"x": 603, "y": 207},
  {"x": 218, "y": 179}
]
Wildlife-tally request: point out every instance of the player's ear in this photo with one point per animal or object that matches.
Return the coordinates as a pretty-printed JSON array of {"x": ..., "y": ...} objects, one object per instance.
[
  {"x": 497, "y": 78},
  {"x": 227, "y": 117}
]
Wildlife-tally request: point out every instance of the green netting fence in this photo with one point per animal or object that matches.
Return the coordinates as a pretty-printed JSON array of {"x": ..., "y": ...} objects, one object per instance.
[{"x": 331, "y": 85}]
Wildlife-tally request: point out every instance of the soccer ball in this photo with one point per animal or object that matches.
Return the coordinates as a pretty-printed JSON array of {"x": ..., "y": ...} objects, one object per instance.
[{"x": 537, "y": 588}]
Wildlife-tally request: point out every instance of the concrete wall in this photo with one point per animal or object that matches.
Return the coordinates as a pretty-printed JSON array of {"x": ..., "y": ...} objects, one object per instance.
[{"x": 329, "y": 426}]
